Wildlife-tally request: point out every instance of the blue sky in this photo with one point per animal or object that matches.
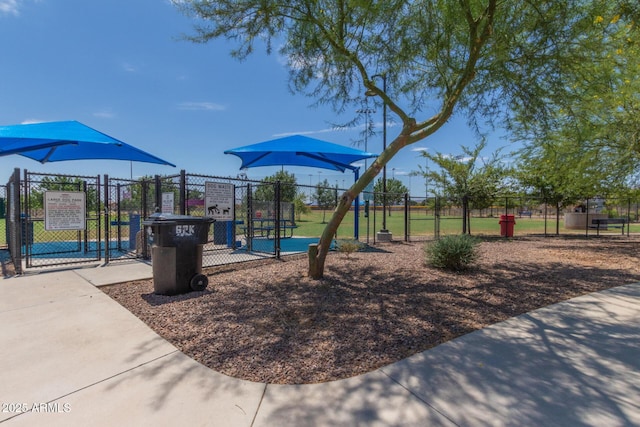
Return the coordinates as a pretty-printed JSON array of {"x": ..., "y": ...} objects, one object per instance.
[{"x": 120, "y": 67}]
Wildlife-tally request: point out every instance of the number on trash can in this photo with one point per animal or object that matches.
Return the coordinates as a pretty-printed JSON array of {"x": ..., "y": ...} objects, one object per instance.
[{"x": 185, "y": 230}]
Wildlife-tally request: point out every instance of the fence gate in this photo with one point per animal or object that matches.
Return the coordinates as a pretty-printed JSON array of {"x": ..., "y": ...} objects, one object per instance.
[
  {"x": 127, "y": 203},
  {"x": 60, "y": 219},
  {"x": 423, "y": 218}
]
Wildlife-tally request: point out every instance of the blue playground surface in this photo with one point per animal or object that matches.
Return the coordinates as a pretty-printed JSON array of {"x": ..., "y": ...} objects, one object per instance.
[
  {"x": 294, "y": 244},
  {"x": 75, "y": 249}
]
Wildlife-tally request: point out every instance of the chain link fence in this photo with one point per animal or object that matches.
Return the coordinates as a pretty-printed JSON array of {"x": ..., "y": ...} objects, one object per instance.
[
  {"x": 4, "y": 230},
  {"x": 262, "y": 219},
  {"x": 60, "y": 219},
  {"x": 126, "y": 204},
  {"x": 526, "y": 215}
]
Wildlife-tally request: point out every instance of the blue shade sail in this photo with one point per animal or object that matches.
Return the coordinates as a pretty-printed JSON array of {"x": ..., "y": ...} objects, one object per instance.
[
  {"x": 68, "y": 140},
  {"x": 298, "y": 150}
]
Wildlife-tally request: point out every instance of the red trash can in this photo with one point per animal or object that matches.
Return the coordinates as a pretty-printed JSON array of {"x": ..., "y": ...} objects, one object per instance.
[{"x": 506, "y": 225}]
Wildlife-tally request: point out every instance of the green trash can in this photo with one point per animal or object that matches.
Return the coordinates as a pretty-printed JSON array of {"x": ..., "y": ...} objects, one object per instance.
[{"x": 176, "y": 252}]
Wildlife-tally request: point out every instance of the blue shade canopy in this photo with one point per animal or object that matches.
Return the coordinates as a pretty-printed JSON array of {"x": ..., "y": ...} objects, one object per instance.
[
  {"x": 298, "y": 150},
  {"x": 69, "y": 140}
]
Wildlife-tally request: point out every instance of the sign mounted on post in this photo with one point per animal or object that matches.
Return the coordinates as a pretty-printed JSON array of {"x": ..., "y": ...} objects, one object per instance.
[
  {"x": 219, "y": 200},
  {"x": 64, "y": 210}
]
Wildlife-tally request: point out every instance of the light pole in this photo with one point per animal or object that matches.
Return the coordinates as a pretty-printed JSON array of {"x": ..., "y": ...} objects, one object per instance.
[
  {"x": 366, "y": 112},
  {"x": 384, "y": 147}
]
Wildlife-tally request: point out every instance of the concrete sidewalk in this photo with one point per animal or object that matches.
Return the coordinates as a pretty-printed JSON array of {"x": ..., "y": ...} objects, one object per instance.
[{"x": 72, "y": 356}]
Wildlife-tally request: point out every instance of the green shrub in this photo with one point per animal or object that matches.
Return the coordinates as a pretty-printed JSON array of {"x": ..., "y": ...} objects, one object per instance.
[
  {"x": 348, "y": 247},
  {"x": 454, "y": 252}
]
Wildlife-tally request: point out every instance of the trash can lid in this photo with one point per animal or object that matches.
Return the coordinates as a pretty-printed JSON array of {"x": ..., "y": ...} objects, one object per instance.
[{"x": 162, "y": 217}]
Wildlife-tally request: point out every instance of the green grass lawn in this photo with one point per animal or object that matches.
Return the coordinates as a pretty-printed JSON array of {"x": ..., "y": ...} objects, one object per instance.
[
  {"x": 311, "y": 225},
  {"x": 421, "y": 224}
]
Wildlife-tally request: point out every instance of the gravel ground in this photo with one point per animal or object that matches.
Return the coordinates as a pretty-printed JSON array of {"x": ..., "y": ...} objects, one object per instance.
[{"x": 270, "y": 323}]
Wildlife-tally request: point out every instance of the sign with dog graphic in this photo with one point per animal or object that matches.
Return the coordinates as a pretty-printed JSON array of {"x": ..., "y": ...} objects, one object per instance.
[{"x": 219, "y": 200}]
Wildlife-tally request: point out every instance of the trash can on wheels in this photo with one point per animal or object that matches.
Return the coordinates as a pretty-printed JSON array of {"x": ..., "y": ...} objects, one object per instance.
[
  {"x": 176, "y": 252},
  {"x": 506, "y": 225}
]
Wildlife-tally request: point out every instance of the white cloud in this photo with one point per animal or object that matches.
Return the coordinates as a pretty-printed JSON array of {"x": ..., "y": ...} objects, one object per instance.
[
  {"x": 309, "y": 132},
  {"x": 9, "y": 7},
  {"x": 420, "y": 149},
  {"x": 201, "y": 106},
  {"x": 104, "y": 114},
  {"x": 129, "y": 67}
]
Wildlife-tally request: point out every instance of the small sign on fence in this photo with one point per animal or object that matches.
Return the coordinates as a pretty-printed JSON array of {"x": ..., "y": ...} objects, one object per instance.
[
  {"x": 167, "y": 203},
  {"x": 64, "y": 210},
  {"x": 219, "y": 200}
]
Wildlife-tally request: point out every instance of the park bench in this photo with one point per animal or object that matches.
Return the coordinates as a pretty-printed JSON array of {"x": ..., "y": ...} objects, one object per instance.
[
  {"x": 605, "y": 223},
  {"x": 266, "y": 226},
  {"x": 525, "y": 213}
]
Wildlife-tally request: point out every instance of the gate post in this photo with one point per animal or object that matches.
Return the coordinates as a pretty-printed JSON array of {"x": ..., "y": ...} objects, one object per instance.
[
  {"x": 15, "y": 222},
  {"x": 249, "y": 218},
  {"x": 183, "y": 191},
  {"x": 158, "y": 194},
  {"x": 107, "y": 220},
  {"x": 145, "y": 213},
  {"x": 278, "y": 216}
]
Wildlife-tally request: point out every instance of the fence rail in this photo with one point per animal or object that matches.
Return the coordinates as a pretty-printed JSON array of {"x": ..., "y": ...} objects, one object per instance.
[{"x": 264, "y": 219}]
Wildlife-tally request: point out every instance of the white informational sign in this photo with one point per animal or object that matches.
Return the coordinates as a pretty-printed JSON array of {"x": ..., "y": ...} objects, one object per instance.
[
  {"x": 219, "y": 200},
  {"x": 64, "y": 210},
  {"x": 167, "y": 203}
]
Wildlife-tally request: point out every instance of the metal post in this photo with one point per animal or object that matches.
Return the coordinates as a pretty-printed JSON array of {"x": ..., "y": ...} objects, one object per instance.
[
  {"x": 145, "y": 213},
  {"x": 85, "y": 233},
  {"x": 249, "y": 218},
  {"x": 16, "y": 222},
  {"x": 384, "y": 147},
  {"x": 24, "y": 222},
  {"x": 277, "y": 224},
  {"x": 356, "y": 208},
  {"x": 183, "y": 191},
  {"x": 158, "y": 193},
  {"x": 384, "y": 234},
  {"x": 107, "y": 221},
  {"x": 406, "y": 217}
]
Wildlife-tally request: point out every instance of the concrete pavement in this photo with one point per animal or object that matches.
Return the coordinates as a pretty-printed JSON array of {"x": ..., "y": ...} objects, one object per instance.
[{"x": 72, "y": 356}]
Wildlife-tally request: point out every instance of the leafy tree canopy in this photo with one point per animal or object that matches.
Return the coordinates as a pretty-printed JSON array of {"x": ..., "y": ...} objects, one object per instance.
[
  {"x": 589, "y": 144},
  {"x": 395, "y": 191},
  {"x": 325, "y": 197},
  {"x": 288, "y": 187},
  {"x": 468, "y": 180},
  {"x": 501, "y": 61}
]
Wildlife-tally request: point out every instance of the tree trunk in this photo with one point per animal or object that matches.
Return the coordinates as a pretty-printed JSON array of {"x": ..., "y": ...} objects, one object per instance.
[
  {"x": 314, "y": 269},
  {"x": 318, "y": 253},
  {"x": 464, "y": 214}
]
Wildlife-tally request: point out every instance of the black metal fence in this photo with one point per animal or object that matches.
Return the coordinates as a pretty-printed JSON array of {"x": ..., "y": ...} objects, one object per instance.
[
  {"x": 101, "y": 217},
  {"x": 4, "y": 231}
]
